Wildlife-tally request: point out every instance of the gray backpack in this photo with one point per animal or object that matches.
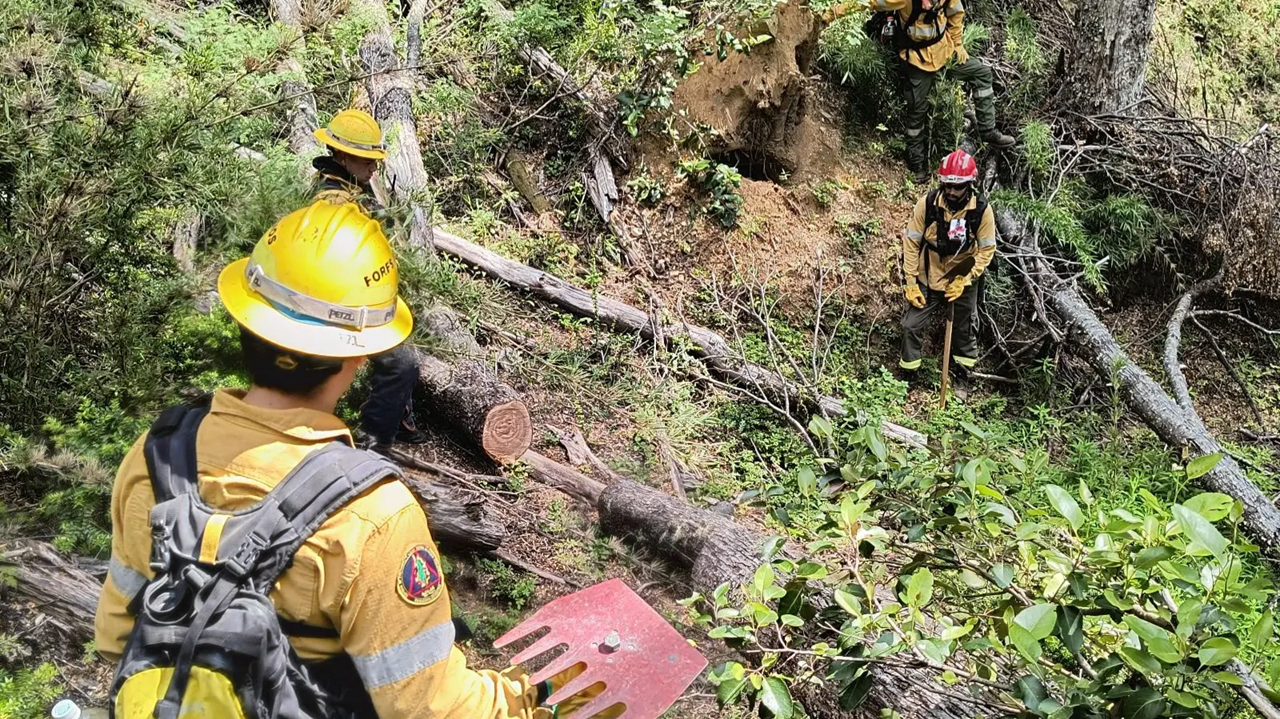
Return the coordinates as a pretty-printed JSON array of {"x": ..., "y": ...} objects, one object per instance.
[{"x": 207, "y": 641}]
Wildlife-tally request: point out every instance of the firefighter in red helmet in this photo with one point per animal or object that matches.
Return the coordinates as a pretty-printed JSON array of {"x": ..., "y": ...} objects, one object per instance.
[{"x": 948, "y": 244}]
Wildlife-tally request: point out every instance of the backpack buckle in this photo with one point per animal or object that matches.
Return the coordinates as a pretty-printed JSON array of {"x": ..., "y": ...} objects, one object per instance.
[{"x": 246, "y": 557}]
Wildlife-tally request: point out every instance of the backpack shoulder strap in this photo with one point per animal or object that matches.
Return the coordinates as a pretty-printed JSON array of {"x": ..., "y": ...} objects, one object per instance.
[
  {"x": 932, "y": 213},
  {"x": 318, "y": 487},
  {"x": 974, "y": 216},
  {"x": 170, "y": 450}
]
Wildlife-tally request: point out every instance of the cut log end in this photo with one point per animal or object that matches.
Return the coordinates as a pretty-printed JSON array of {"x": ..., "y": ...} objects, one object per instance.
[{"x": 508, "y": 432}]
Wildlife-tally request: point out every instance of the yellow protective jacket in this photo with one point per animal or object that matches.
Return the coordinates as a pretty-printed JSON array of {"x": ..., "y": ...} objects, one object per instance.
[
  {"x": 982, "y": 249},
  {"x": 344, "y": 578},
  {"x": 950, "y": 26}
]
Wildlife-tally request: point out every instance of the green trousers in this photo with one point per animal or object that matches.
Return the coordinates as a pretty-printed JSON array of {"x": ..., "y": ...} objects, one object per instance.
[
  {"x": 964, "y": 333},
  {"x": 917, "y": 86}
]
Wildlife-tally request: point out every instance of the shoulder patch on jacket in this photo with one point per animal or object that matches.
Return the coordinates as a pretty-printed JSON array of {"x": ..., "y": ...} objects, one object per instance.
[{"x": 420, "y": 581}]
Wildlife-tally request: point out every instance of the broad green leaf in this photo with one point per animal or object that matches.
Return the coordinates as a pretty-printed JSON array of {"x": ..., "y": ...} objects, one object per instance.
[
  {"x": 1065, "y": 504},
  {"x": 1038, "y": 620},
  {"x": 1205, "y": 538},
  {"x": 1151, "y": 556},
  {"x": 1140, "y": 660},
  {"x": 764, "y": 578},
  {"x": 1071, "y": 628},
  {"x": 729, "y": 691},
  {"x": 848, "y": 602},
  {"x": 1182, "y": 699},
  {"x": 1003, "y": 574},
  {"x": 1031, "y": 691},
  {"x": 1189, "y": 616},
  {"x": 1144, "y": 703},
  {"x": 1157, "y": 641},
  {"x": 1200, "y": 466},
  {"x": 1211, "y": 505},
  {"x": 935, "y": 650},
  {"x": 792, "y": 620},
  {"x": 1216, "y": 652},
  {"x": 776, "y": 697},
  {"x": 808, "y": 481},
  {"x": 919, "y": 588},
  {"x": 1026, "y": 644},
  {"x": 1086, "y": 495},
  {"x": 1262, "y": 632},
  {"x": 1229, "y": 678}
]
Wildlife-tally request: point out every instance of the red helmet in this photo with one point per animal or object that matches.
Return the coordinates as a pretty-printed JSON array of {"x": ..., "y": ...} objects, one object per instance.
[{"x": 958, "y": 168}]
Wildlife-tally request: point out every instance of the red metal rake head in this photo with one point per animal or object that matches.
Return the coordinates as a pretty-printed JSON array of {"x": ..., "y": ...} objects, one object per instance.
[{"x": 642, "y": 661}]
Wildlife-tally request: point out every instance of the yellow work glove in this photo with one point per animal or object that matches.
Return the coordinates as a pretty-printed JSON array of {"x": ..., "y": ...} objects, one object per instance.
[
  {"x": 956, "y": 287},
  {"x": 577, "y": 701},
  {"x": 914, "y": 295}
]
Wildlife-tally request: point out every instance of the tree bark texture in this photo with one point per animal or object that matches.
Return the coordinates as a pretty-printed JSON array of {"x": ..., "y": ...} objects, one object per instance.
[
  {"x": 466, "y": 396},
  {"x": 1175, "y": 425},
  {"x": 455, "y": 523},
  {"x": 709, "y": 345},
  {"x": 391, "y": 94},
  {"x": 1108, "y": 65},
  {"x": 63, "y": 590}
]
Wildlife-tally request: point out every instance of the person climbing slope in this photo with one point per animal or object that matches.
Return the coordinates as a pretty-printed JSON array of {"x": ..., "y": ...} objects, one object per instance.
[
  {"x": 356, "y": 147},
  {"x": 928, "y": 35},
  {"x": 948, "y": 244}
]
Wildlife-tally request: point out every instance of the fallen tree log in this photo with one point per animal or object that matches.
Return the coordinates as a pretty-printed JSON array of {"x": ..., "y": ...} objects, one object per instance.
[
  {"x": 464, "y": 394},
  {"x": 714, "y": 550},
  {"x": 66, "y": 589},
  {"x": 390, "y": 92},
  {"x": 63, "y": 590},
  {"x": 1176, "y": 425},
  {"x": 709, "y": 345}
]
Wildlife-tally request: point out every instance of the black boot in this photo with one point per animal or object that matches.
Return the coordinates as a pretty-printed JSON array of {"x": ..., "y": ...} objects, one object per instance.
[{"x": 998, "y": 140}]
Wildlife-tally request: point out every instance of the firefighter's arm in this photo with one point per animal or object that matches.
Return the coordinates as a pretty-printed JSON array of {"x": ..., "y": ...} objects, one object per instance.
[
  {"x": 911, "y": 239},
  {"x": 396, "y": 624},
  {"x": 835, "y": 12},
  {"x": 130, "y": 567},
  {"x": 955, "y": 30},
  {"x": 986, "y": 244}
]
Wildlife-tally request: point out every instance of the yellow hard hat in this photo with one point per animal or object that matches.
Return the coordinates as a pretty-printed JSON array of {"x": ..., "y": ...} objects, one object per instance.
[
  {"x": 354, "y": 132},
  {"x": 323, "y": 281}
]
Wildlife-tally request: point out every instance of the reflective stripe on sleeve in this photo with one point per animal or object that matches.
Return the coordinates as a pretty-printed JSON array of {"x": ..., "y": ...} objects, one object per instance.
[
  {"x": 126, "y": 580},
  {"x": 990, "y": 242},
  {"x": 880, "y": 5},
  {"x": 955, "y": 8},
  {"x": 407, "y": 658},
  {"x": 913, "y": 235}
]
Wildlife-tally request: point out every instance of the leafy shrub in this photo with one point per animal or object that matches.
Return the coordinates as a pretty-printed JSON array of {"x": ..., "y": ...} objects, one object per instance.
[
  {"x": 862, "y": 66},
  {"x": 996, "y": 573},
  {"x": 29, "y": 693},
  {"x": 720, "y": 183},
  {"x": 505, "y": 585}
]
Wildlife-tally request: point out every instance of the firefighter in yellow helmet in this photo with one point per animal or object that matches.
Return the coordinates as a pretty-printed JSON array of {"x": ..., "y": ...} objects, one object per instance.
[
  {"x": 356, "y": 147},
  {"x": 928, "y": 38},
  {"x": 317, "y": 297}
]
